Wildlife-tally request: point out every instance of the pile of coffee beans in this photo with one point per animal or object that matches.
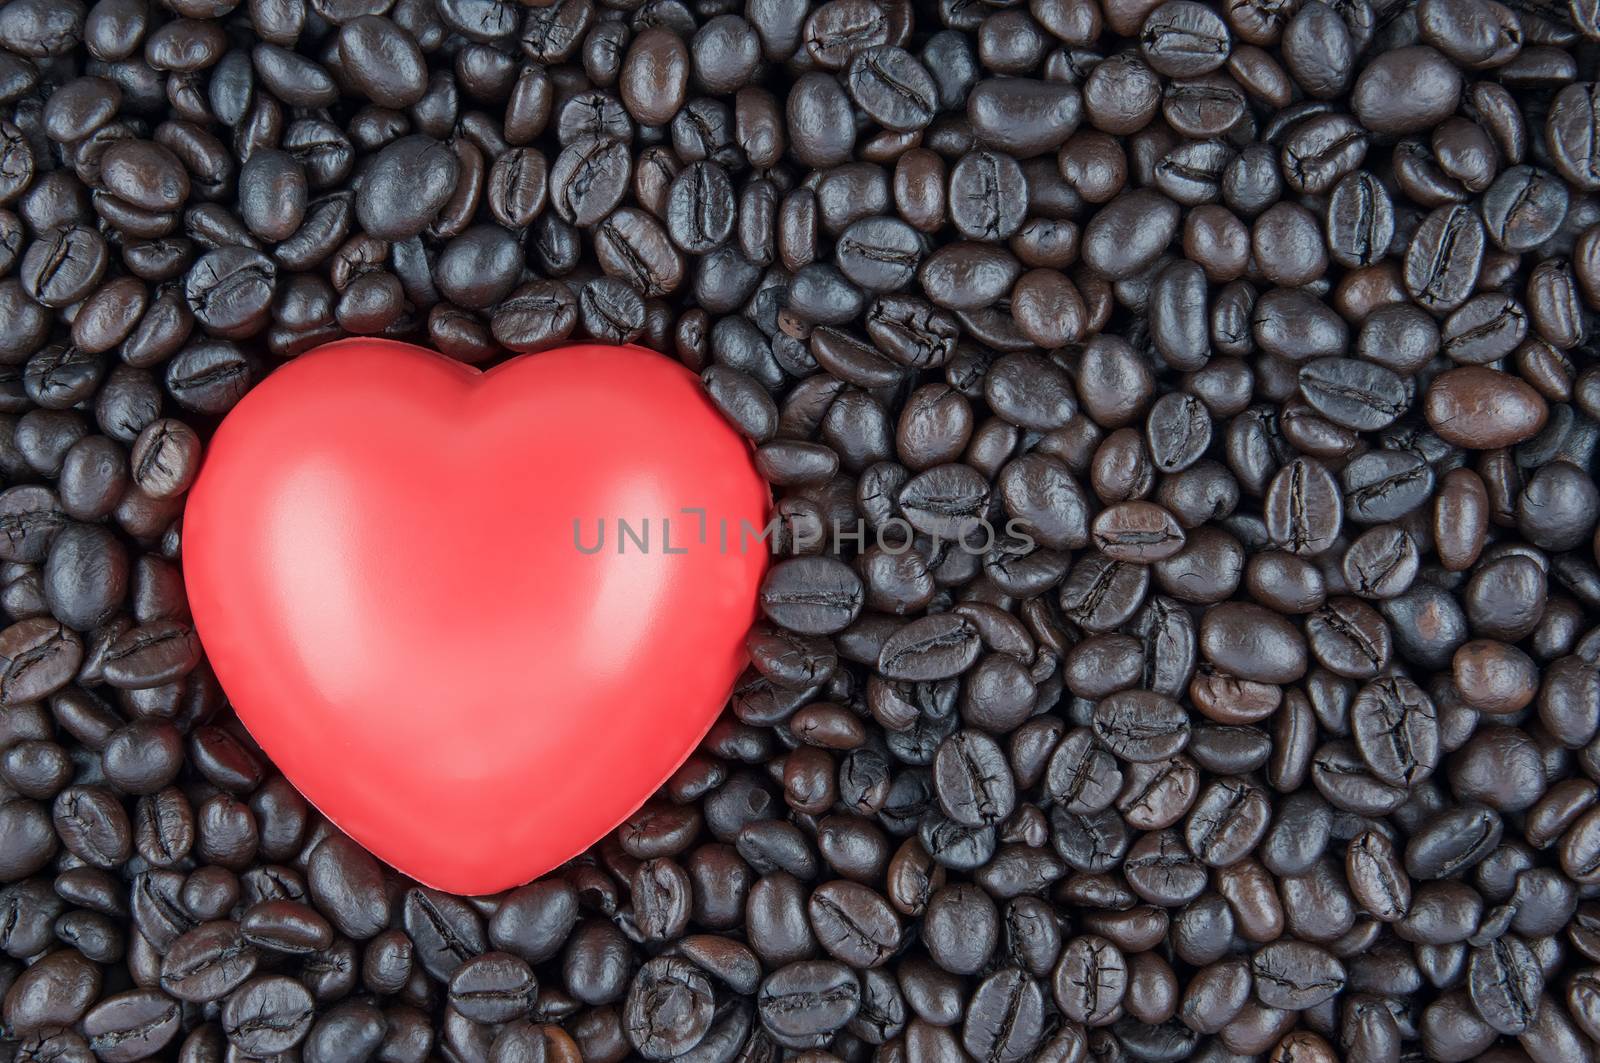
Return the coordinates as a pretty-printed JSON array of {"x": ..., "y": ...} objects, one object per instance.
[{"x": 1183, "y": 419}]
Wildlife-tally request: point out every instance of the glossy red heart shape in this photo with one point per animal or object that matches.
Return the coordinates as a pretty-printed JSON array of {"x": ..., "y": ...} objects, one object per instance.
[{"x": 390, "y": 558}]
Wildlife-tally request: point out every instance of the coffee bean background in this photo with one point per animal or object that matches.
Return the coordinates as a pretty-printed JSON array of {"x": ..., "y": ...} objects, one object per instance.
[{"x": 1183, "y": 642}]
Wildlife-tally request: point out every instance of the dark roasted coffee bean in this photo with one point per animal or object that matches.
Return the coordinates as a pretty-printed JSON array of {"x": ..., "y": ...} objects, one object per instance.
[
  {"x": 1129, "y": 233},
  {"x": 1090, "y": 981},
  {"x": 1182, "y": 39},
  {"x": 63, "y": 265},
  {"x": 1524, "y": 207},
  {"x": 1353, "y": 393},
  {"x": 1005, "y": 1020},
  {"x": 588, "y": 180},
  {"x": 208, "y": 963},
  {"x": 1295, "y": 975},
  {"x": 229, "y": 291},
  {"x": 131, "y": 1025},
  {"x": 879, "y": 254},
  {"x": 1444, "y": 258},
  {"x": 54, "y": 991},
  {"x": 854, "y": 924},
  {"x": 1360, "y": 221},
  {"x": 1384, "y": 485},
  {"x": 811, "y": 596},
  {"x": 892, "y": 87},
  {"x": 1505, "y": 981},
  {"x": 1396, "y": 730},
  {"x": 1382, "y": 563},
  {"x": 1572, "y": 151},
  {"x": 1252, "y": 643},
  {"x": 382, "y": 61},
  {"x": 494, "y": 987},
  {"x": 1141, "y": 726},
  {"x": 668, "y": 987},
  {"x": 272, "y": 194},
  {"x": 803, "y": 1003},
  {"x": 1023, "y": 117},
  {"x": 1137, "y": 531},
  {"x": 971, "y": 780},
  {"x": 632, "y": 246},
  {"x": 536, "y": 316},
  {"x": 405, "y": 187},
  {"x": 37, "y": 657},
  {"x": 267, "y": 1014},
  {"x": 1304, "y": 507}
]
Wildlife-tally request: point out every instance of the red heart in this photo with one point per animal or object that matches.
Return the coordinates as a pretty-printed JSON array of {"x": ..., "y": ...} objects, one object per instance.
[{"x": 383, "y": 558}]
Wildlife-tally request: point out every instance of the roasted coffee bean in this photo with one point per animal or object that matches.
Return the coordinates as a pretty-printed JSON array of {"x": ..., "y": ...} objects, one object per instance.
[
  {"x": 1573, "y": 106},
  {"x": 1505, "y": 981},
  {"x": 1486, "y": 329},
  {"x": 229, "y": 291},
  {"x": 588, "y": 180},
  {"x": 1340, "y": 774},
  {"x": 383, "y": 61},
  {"x": 1081, "y": 776},
  {"x": 805, "y": 1002},
  {"x": 854, "y": 924},
  {"x": 1396, "y": 730},
  {"x": 272, "y": 194},
  {"x": 971, "y": 780},
  {"x": 63, "y": 265},
  {"x": 208, "y": 963},
  {"x": 267, "y": 1014},
  {"x": 1353, "y": 393},
  {"x": 879, "y": 254},
  {"x": 493, "y": 987},
  {"x": 1137, "y": 531},
  {"x": 1304, "y": 507},
  {"x": 446, "y": 931},
  {"x": 1382, "y": 563},
  {"x": 1376, "y": 876},
  {"x": 1178, "y": 430},
  {"x": 1090, "y": 981},
  {"x": 131, "y": 1025},
  {"x": 1360, "y": 221},
  {"x": 1384, "y": 485},
  {"x": 1444, "y": 258},
  {"x": 286, "y": 926},
  {"x": 1524, "y": 207},
  {"x": 815, "y": 596},
  {"x": 536, "y": 316},
  {"x": 1129, "y": 233},
  {"x": 1295, "y": 975},
  {"x": 1227, "y": 821},
  {"x": 1005, "y": 1020},
  {"x": 1482, "y": 408},
  {"x": 1141, "y": 726},
  {"x": 1252, "y": 643},
  {"x": 892, "y": 87},
  {"x": 632, "y": 246},
  {"x": 54, "y": 991},
  {"x": 1183, "y": 39},
  {"x": 408, "y": 183},
  {"x": 668, "y": 987}
]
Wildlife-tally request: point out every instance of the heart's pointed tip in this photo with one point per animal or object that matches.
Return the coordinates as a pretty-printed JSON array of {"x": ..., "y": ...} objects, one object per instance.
[{"x": 452, "y": 881}]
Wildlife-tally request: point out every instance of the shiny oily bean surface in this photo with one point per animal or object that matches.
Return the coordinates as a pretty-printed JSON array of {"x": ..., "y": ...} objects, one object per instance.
[{"x": 1180, "y": 637}]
